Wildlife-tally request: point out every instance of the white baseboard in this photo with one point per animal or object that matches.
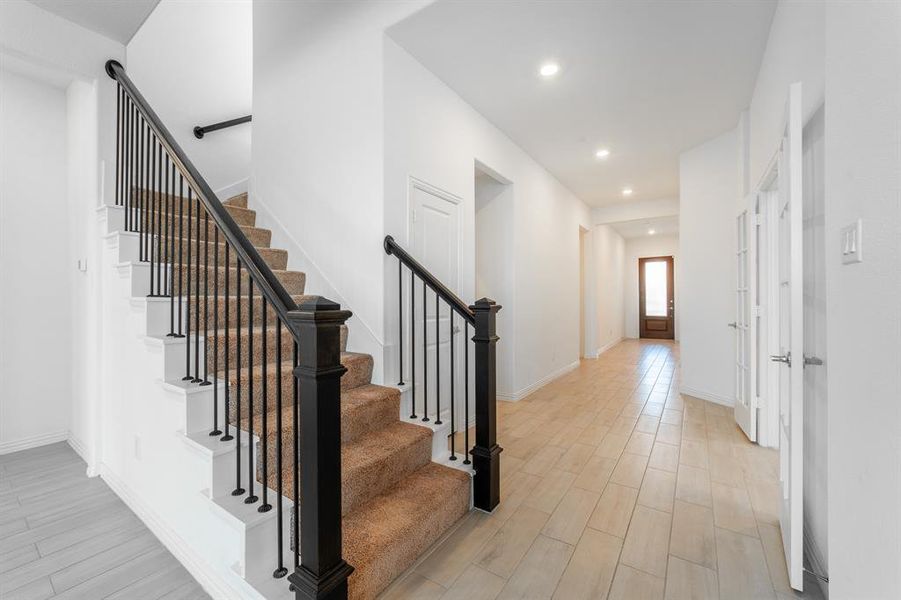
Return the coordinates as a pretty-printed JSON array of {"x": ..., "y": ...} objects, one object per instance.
[
  {"x": 607, "y": 346},
  {"x": 210, "y": 579},
  {"x": 233, "y": 189},
  {"x": 33, "y": 441},
  {"x": 704, "y": 395},
  {"x": 519, "y": 395}
]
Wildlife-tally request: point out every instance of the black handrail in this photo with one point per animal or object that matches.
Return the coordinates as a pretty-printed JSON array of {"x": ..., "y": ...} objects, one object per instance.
[
  {"x": 269, "y": 285},
  {"x": 200, "y": 131},
  {"x": 392, "y": 247}
]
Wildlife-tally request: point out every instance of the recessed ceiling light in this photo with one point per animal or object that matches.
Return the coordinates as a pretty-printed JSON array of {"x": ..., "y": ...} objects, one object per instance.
[
  {"x": 549, "y": 69},
  {"x": 602, "y": 153},
  {"x": 651, "y": 232},
  {"x": 627, "y": 191}
]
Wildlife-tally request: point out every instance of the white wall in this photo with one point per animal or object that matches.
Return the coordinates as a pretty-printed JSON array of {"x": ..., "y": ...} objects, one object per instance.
[
  {"x": 709, "y": 183},
  {"x": 193, "y": 61},
  {"x": 863, "y": 180},
  {"x": 794, "y": 52},
  {"x": 318, "y": 152},
  {"x": 434, "y": 136},
  {"x": 36, "y": 317},
  {"x": 645, "y": 247},
  {"x": 54, "y": 50},
  {"x": 493, "y": 205},
  {"x": 609, "y": 259}
]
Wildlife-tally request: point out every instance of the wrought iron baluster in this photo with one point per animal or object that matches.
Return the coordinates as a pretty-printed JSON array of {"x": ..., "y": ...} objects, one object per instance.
[
  {"x": 152, "y": 212},
  {"x": 181, "y": 253},
  {"x": 227, "y": 345},
  {"x": 265, "y": 506},
  {"x": 413, "y": 345},
  {"x": 453, "y": 455},
  {"x": 466, "y": 460},
  {"x": 437, "y": 361},
  {"x": 188, "y": 296},
  {"x": 206, "y": 275},
  {"x": 251, "y": 497},
  {"x": 400, "y": 322},
  {"x": 238, "y": 489},
  {"x": 425, "y": 357},
  {"x": 159, "y": 217},
  {"x": 206, "y": 295},
  {"x": 280, "y": 571},
  {"x": 295, "y": 417},
  {"x": 216, "y": 430}
]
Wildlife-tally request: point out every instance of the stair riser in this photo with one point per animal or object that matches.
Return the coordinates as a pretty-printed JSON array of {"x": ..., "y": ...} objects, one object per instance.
[
  {"x": 239, "y": 200},
  {"x": 293, "y": 281},
  {"x": 359, "y": 372}
]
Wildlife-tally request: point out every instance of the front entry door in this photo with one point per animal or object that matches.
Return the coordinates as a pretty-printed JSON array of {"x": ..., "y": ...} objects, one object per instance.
[
  {"x": 656, "y": 311},
  {"x": 790, "y": 258}
]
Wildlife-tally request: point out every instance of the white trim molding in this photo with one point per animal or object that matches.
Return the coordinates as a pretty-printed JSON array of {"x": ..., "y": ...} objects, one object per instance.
[
  {"x": 710, "y": 397},
  {"x": 33, "y": 441},
  {"x": 606, "y": 347},
  {"x": 208, "y": 577},
  {"x": 517, "y": 396},
  {"x": 233, "y": 189}
]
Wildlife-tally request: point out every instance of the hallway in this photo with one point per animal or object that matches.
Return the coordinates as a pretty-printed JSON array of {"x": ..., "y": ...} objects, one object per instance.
[{"x": 616, "y": 486}]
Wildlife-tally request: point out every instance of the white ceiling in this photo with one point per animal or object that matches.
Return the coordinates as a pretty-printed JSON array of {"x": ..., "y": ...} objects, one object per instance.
[
  {"x": 648, "y": 79},
  {"x": 640, "y": 228},
  {"x": 115, "y": 19}
]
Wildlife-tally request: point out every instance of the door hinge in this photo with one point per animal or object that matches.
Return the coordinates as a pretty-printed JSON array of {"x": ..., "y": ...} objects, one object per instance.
[
  {"x": 756, "y": 311},
  {"x": 412, "y": 215},
  {"x": 760, "y": 219}
]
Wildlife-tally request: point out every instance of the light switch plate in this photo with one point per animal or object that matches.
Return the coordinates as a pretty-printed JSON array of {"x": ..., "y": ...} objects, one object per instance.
[{"x": 851, "y": 240}]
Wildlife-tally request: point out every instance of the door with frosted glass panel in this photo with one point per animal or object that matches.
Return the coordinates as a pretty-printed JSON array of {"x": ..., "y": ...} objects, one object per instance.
[{"x": 656, "y": 311}]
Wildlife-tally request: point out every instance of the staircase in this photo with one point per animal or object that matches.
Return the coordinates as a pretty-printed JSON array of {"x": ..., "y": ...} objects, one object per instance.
[
  {"x": 252, "y": 359},
  {"x": 395, "y": 501}
]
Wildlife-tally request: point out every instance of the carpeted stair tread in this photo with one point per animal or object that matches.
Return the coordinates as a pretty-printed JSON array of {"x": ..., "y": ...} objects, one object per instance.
[
  {"x": 370, "y": 464},
  {"x": 276, "y": 258},
  {"x": 239, "y": 200},
  {"x": 294, "y": 281},
  {"x": 386, "y": 535},
  {"x": 242, "y": 216},
  {"x": 359, "y": 372},
  {"x": 259, "y": 237},
  {"x": 218, "y": 339},
  {"x": 363, "y": 409}
]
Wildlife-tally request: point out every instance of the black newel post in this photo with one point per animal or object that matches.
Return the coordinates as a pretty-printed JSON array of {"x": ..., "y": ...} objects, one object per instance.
[
  {"x": 322, "y": 574},
  {"x": 486, "y": 452}
]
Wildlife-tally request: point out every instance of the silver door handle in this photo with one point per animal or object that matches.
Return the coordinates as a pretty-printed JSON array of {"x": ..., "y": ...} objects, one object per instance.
[
  {"x": 783, "y": 358},
  {"x": 812, "y": 360},
  {"x": 733, "y": 325}
]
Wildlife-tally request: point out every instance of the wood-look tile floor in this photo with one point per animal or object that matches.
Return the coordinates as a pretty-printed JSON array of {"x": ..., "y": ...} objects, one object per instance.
[
  {"x": 65, "y": 535},
  {"x": 616, "y": 486}
]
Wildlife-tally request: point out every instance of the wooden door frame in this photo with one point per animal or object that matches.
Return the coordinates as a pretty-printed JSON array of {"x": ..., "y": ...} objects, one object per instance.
[{"x": 670, "y": 334}]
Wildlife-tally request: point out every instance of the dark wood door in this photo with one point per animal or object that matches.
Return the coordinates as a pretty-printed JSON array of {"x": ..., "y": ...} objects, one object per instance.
[{"x": 656, "y": 311}]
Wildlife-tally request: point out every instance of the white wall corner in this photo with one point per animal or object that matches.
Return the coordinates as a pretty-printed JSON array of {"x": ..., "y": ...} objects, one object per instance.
[
  {"x": 519, "y": 395},
  {"x": 233, "y": 189},
  {"x": 709, "y": 396},
  {"x": 361, "y": 337}
]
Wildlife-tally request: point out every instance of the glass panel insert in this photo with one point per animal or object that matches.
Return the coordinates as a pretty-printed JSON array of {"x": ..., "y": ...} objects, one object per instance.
[{"x": 655, "y": 292}]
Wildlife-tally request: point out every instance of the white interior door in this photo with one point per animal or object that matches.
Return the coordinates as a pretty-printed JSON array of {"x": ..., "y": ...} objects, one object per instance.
[
  {"x": 435, "y": 242},
  {"x": 791, "y": 340},
  {"x": 745, "y": 400}
]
